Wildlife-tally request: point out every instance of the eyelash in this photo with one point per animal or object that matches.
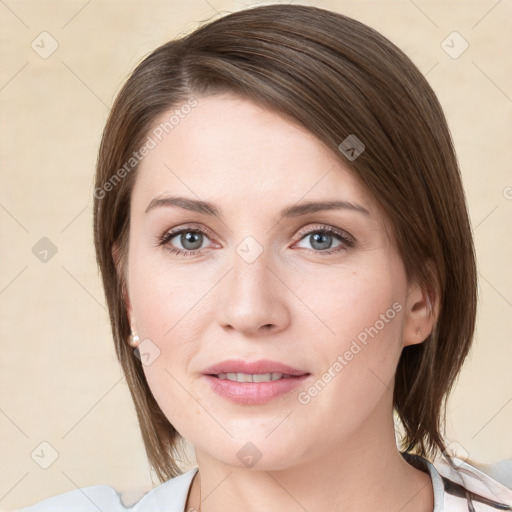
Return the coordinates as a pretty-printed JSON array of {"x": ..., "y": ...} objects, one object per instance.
[{"x": 343, "y": 237}]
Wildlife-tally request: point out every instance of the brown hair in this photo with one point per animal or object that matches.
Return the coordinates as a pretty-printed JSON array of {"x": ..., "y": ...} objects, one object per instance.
[{"x": 336, "y": 77}]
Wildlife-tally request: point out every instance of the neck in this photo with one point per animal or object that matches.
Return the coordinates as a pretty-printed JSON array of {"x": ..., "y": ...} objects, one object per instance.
[{"x": 359, "y": 473}]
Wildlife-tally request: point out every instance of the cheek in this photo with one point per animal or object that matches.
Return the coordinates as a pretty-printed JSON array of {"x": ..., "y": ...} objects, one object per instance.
[
  {"x": 170, "y": 390},
  {"x": 169, "y": 309},
  {"x": 360, "y": 304},
  {"x": 362, "y": 314},
  {"x": 166, "y": 300}
]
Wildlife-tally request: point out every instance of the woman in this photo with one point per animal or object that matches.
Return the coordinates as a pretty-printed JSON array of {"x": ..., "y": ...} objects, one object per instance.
[{"x": 287, "y": 258}]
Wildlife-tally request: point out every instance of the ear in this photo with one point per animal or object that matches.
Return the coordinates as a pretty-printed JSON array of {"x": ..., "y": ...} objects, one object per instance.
[
  {"x": 421, "y": 313},
  {"x": 120, "y": 270}
]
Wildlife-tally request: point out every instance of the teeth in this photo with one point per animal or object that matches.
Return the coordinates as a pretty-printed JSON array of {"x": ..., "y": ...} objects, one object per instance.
[{"x": 251, "y": 377}]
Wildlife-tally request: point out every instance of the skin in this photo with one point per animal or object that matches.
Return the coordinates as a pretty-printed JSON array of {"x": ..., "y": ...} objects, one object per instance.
[{"x": 293, "y": 304}]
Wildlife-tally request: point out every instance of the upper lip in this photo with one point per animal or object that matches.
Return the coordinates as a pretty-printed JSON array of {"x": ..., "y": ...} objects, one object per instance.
[{"x": 261, "y": 366}]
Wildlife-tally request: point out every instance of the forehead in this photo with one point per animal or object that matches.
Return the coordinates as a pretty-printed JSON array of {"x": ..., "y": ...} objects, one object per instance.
[{"x": 231, "y": 148}]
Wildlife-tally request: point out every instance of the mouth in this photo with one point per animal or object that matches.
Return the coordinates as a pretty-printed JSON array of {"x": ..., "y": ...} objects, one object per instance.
[{"x": 253, "y": 383}]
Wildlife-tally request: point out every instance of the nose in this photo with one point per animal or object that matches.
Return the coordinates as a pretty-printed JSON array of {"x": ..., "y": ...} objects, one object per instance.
[{"x": 252, "y": 298}]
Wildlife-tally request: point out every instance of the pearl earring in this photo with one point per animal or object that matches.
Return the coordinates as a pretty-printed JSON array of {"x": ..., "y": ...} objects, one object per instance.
[{"x": 133, "y": 340}]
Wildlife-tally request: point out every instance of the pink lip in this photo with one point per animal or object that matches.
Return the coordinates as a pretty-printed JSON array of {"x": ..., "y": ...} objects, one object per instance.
[
  {"x": 261, "y": 366},
  {"x": 253, "y": 393}
]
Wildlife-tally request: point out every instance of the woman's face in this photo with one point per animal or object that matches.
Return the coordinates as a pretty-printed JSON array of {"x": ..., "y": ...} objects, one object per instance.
[{"x": 256, "y": 286}]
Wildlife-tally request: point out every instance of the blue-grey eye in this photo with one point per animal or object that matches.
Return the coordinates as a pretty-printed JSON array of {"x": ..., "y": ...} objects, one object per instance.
[
  {"x": 320, "y": 241},
  {"x": 190, "y": 239}
]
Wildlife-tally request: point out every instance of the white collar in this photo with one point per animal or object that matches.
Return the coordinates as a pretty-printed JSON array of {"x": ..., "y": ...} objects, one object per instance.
[{"x": 456, "y": 489}]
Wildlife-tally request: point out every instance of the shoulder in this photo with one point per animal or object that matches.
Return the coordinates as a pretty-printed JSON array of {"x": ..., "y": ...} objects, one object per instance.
[
  {"x": 465, "y": 486},
  {"x": 169, "y": 496},
  {"x": 84, "y": 499}
]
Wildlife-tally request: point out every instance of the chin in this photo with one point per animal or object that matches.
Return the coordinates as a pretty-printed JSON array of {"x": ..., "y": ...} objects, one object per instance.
[{"x": 255, "y": 452}]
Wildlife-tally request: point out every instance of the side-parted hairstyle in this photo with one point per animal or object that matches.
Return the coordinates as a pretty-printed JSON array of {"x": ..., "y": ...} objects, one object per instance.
[{"x": 336, "y": 77}]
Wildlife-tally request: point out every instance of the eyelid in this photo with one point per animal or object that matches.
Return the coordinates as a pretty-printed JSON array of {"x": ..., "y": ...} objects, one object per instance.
[
  {"x": 303, "y": 231},
  {"x": 190, "y": 227}
]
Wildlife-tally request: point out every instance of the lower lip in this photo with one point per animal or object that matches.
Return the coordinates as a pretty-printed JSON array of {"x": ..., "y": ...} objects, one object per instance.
[{"x": 253, "y": 393}]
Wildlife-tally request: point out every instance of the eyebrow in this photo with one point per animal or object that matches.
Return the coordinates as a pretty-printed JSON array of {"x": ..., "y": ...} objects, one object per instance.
[{"x": 296, "y": 210}]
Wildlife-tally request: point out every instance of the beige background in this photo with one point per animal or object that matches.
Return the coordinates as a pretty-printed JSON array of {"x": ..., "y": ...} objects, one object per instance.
[{"x": 60, "y": 381}]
